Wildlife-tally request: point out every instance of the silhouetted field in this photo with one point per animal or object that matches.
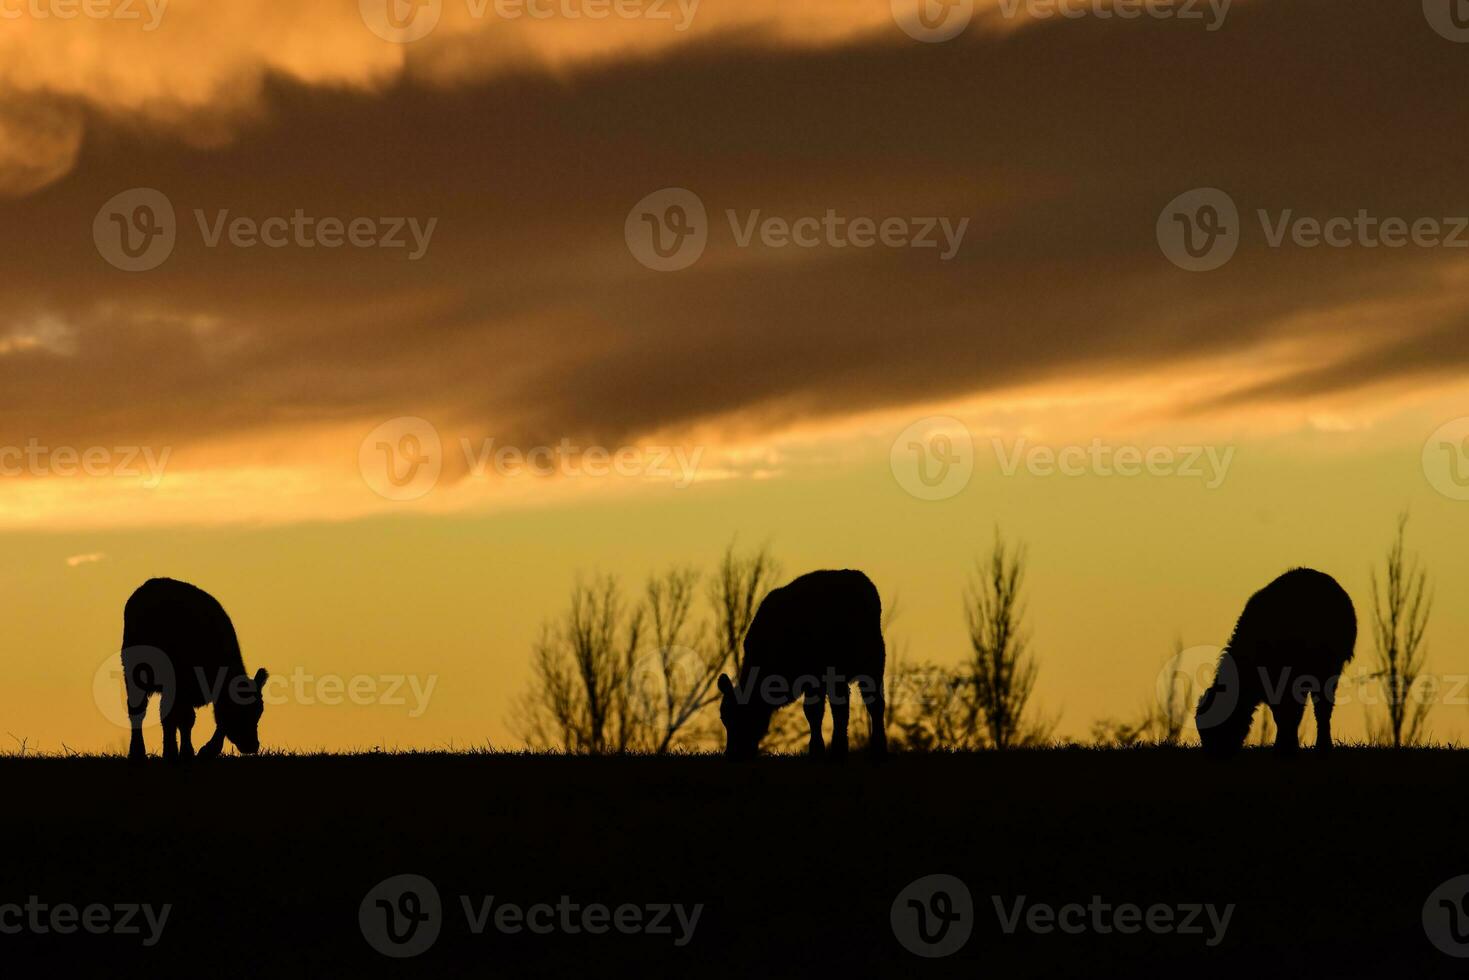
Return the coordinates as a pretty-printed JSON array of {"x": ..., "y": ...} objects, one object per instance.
[{"x": 266, "y": 860}]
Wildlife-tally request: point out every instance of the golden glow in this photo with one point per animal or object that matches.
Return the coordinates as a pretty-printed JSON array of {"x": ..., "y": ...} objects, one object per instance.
[{"x": 235, "y": 417}]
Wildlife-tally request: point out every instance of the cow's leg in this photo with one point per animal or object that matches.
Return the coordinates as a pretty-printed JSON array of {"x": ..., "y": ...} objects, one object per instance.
[
  {"x": 877, "y": 736},
  {"x": 1288, "y": 714},
  {"x": 170, "y": 739},
  {"x": 1323, "y": 701},
  {"x": 841, "y": 705},
  {"x": 815, "y": 708},
  {"x": 137, "y": 709},
  {"x": 211, "y": 748},
  {"x": 186, "y": 733}
]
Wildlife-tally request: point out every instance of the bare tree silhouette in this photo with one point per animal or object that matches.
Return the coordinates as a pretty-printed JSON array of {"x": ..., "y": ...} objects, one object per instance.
[
  {"x": 932, "y": 707},
  {"x": 596, "y": 689},
  {"x": 982, "y": 702},
  {"x": 684, "y": 662},
  {"x": 1401, "y": 604},
  {"x": 739, "y": 583},
  {"x": 581, "y": 699},
  {"x": 1002, "y": 669},
  {"x": 1163, "y": 717}
]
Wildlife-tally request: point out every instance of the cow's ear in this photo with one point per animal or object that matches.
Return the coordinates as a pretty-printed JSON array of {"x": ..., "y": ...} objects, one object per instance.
[
  {"x": 725, "y": 687},
  {"x": 261, "y": 676}
]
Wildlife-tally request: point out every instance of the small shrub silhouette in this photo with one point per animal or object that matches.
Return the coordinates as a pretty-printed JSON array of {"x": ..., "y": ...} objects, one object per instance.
[
  {"x": 179, "y": 643},
  {"x": 809, "y": 641},
  {"x": 1291, "y": 642}
]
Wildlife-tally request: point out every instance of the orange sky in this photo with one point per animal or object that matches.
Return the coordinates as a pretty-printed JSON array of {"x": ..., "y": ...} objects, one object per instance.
[{"x": 216, "y": 409}]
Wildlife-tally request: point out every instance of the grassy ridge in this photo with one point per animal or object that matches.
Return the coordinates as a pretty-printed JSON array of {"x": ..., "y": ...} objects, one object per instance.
[{"x": 266, "y": 860}]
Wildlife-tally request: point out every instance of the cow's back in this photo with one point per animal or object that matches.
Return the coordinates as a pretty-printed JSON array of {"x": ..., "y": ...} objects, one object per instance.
[
  {"x": 824, "y": 619},
  {"x": 190, "y": 627},
  {"x": 1304, "y": 618}
]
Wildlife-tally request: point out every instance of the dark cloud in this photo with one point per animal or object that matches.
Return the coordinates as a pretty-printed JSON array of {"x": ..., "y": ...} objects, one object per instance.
[{"x": 528, "y": 317}]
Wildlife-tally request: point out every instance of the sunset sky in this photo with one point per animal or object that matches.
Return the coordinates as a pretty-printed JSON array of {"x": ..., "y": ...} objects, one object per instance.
[{"x": 220, "y": 416}]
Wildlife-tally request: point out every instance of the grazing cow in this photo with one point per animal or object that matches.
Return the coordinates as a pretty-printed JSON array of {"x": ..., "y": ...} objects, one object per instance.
[
  {"x": 178, "y": 642},
  {"x": 810, "y": 640},
  {"x": 1292, "y": 640}
]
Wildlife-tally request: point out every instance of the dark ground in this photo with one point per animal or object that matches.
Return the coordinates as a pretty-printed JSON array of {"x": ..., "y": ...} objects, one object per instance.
[{"x": 266, "y": 860}]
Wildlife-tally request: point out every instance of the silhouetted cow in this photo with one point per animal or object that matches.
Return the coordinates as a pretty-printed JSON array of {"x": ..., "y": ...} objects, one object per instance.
[
  {"x": 810, "y": 640},
  {"x": 1292, "y": 640},
  {"x": 178, "y": 642}
]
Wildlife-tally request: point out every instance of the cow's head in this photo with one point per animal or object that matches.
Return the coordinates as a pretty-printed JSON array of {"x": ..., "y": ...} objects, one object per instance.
[
  {"x": 238, "y": 711},
  {"x": 1227, "y": 708},
  {"x": 746, "y": 720}
]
